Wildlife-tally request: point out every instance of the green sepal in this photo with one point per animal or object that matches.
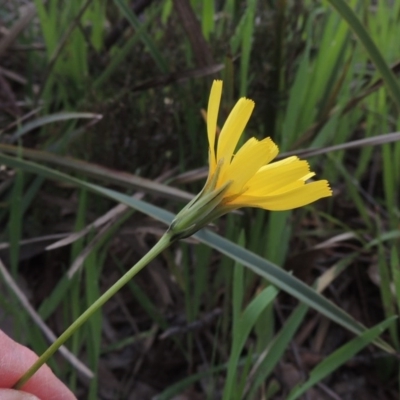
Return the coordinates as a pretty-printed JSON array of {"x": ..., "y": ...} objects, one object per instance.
[{"x": 198, "y": 213}]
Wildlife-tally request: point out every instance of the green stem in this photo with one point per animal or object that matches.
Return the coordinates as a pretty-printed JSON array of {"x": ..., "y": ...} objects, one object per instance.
[{"x": 162, "y": 244}]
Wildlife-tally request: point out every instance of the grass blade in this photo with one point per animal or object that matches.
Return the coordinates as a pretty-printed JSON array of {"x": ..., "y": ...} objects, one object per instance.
[
  {"x": 48, "y": 119},
  {"x": 149, "y": 43},
  {"x": 340, "y": 356},
  {"x": 376, "y": 57},
  {"x": 277, "y": 276}
]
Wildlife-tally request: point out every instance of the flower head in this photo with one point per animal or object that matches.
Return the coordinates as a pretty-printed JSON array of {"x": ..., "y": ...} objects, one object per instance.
[{"x": 246, "y": 177}]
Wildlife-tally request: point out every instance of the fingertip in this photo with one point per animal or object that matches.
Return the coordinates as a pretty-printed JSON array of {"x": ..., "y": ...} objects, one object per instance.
[
  {"x": 11, "y": 394},
  {"x": 15, "y": 360}
]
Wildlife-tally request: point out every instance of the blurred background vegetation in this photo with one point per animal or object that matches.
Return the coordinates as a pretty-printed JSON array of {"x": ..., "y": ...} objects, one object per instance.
[{"x": 111, "y": 92}]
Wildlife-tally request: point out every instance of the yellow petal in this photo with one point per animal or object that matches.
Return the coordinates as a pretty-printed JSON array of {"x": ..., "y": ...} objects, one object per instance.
[
  {"x": 293, "y": 185},
  {"x": 233, "y": 129},
  {"x": 212, "y": 116},
  {"x": 286, "y": 201},
  {"x": 278, "y": 164},
  {"x": 248, "y": 160},
  {"x": 277, "y": 176},
  {"x": 308, "y": 176}
]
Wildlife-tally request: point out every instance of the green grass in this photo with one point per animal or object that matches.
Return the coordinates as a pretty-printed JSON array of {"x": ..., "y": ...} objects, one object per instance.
[{"x": 321, "y": 74}]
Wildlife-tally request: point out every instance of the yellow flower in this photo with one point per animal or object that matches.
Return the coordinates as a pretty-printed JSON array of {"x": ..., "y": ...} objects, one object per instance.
[
  {"x": 255, "y": 181},
  {"x": 245, "y": 178}
]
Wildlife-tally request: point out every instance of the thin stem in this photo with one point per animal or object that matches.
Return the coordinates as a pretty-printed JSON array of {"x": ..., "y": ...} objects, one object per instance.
[{"x": 162, "y": 244}]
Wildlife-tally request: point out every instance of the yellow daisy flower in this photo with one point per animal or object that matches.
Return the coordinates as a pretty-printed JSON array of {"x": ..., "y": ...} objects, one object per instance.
[
  {"x": 255, "y": 182},
  {"x": 245, "y": 178}
]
